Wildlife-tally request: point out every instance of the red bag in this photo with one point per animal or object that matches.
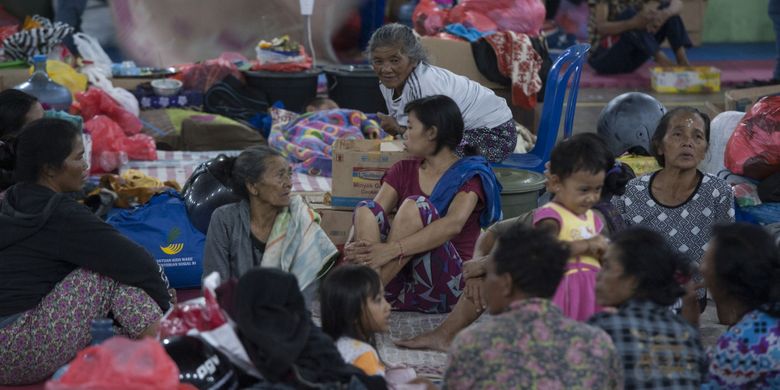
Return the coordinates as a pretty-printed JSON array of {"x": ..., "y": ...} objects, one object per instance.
[
  {"x": 202, "y": 75},
  {"x": 754, "y": 148},
  {"x": 96, "y": 102},
  {"x": 522, "y": 16},
  {"x": 471, "y": 18},
  {"x": 429, "y": 17},
  {"x": 120, "y": 363},
  {"x": 193, "y": 315},
  {"x": 111, "y": 148}
]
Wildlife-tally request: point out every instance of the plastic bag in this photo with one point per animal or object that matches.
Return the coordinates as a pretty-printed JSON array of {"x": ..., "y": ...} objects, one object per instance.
[
  {"x": 121, "y": 363},
  {"x": 98, "y": 71},
  {"x": 522, "y": 16},
  {"x": 95, "y": 101},
  {"x": 7, "y": 31},
  {"x": 754, "y": 148},
  {"x": 205, "y": 318},
  {"x": 63, "y": 74},
  {"x": 470, "y": 18},
  {"x": 111, "y": 148},
  {"x": 429, "y": 17},
  {"x": 201, "y": 76}
]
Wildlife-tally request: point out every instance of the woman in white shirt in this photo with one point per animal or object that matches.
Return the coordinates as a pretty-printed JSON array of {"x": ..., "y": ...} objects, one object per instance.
[{"x": 400, "y": 62}]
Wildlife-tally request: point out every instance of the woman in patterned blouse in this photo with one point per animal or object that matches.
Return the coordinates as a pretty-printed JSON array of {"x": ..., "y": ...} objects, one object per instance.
[
  {"x": 679, "y": 201},
  {"x": 641, "y": 276},
  {"x": 528, "y": 343},
  {"x": 742, "y": 271}
]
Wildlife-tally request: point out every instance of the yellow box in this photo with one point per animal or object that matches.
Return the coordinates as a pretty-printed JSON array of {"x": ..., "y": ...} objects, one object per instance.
[{"x": 681, "y": 79}]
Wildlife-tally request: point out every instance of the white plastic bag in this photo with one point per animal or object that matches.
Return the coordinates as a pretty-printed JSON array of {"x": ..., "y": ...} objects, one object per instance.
[{"x": 99, "y": 71}]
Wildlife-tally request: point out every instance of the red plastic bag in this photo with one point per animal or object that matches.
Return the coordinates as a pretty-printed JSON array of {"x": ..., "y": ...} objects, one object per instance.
[
  {"x": 120, "y": 363},
  {"x": 471, "y": 18},
  {"x": 201, "y": 76},
  {"x": 193, "y": 315},
  {"x": 429, "y": 17},
  {"x": 95, "y": 102},
  {"x": 111, "y": 148},
  {"x": 7, "y": 31},
  {"x": 523, "y": 16},
  {"x": 754, "y": 148}
]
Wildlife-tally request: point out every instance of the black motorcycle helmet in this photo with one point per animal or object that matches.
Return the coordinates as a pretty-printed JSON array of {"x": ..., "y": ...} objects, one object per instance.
[
  {"x": 200, "y": 364},
  {"x": 628, "y": 122},
  {"x": 208, "y": 188}
]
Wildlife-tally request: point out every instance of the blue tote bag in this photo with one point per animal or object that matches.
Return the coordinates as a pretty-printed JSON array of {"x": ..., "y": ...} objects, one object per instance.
[{"x": 163, "y": 227}]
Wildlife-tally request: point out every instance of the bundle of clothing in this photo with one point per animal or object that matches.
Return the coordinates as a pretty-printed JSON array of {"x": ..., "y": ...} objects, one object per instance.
[{"x": 306, "y": 140}]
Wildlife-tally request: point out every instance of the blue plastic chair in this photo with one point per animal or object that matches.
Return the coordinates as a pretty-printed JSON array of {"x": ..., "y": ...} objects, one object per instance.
[{"x": 567, "y": 66}]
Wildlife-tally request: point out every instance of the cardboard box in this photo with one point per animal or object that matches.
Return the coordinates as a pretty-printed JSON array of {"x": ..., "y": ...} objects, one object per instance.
[
  {"x": 679, "y": 79},
  {"x": 713, "y": 109},
  {"x": 358, "y": 167},
  {"x": 336, "y": 224},
  {"x": 456, "y": 56},
  {"x": 743, "y": 99}
]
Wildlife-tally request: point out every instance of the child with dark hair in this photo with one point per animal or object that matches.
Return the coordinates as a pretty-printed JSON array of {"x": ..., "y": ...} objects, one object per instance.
[
  {"x": 353, "y": 310},
  {"x": 642, "y": 276},
  {"x": 528, "y": 343},
  {"x": 577, "y": 171}
]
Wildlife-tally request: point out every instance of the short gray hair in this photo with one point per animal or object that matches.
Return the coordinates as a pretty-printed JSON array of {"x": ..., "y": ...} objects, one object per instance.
[
  {"x": 395, "y": 34},
  {"x": 249, "y": 166}
]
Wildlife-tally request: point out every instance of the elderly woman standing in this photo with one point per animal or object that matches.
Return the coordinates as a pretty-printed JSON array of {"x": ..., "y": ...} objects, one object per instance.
[
  {"x": 742, "y": 271},
  {"x": 268, "y": 228},
  {"x": 400, "y": 61},
  {"x": 679, "y": 201}
]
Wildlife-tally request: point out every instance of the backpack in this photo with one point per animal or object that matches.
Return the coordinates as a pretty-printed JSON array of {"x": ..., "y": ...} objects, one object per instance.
[{"x": 233, "y": 99}]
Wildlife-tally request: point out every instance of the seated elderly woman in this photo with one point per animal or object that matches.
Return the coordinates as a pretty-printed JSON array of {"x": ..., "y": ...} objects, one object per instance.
[
  {"x": 528, "y": 343},
  {"x": 399, "y": 59},
  {"x": 742, "y": 271},
  {"x": 62, "y": 267},
  {"x": 442, "y": 201},
  {"x": 268, "y": 228},
  {"x": 641, "y": 277},
  {"x": 679, "y": 201}
]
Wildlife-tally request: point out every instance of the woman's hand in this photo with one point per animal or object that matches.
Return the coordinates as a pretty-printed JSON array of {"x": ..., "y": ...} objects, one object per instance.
[
  {"x": 691, "y": 310},
  {"x": 658, "y": 21},
  {"x": 597, "y": 246},
  {"x": 389, "y": 124},
  {"x": 372, "y": 254},
  {"x": 473, "y": 292},
  {"x": 645, "y": 18},
  {"x": 474, "y": 268}
]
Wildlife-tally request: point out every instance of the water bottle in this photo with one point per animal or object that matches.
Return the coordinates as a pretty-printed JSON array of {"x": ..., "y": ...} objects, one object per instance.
[
  {"x": 48, "y": 92},
  {"x": 102, "y": 329}
]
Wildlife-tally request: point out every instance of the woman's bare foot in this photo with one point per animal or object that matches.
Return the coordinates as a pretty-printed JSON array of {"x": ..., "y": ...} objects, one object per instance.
[
  {"x": 436, "y": 340},
  {"x": 662, "y": 60},
  {"x": 682, "y": 57}
]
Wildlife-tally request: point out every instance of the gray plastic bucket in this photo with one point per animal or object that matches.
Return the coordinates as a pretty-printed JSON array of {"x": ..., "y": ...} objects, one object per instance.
[{"x": 521, "y": 190}]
